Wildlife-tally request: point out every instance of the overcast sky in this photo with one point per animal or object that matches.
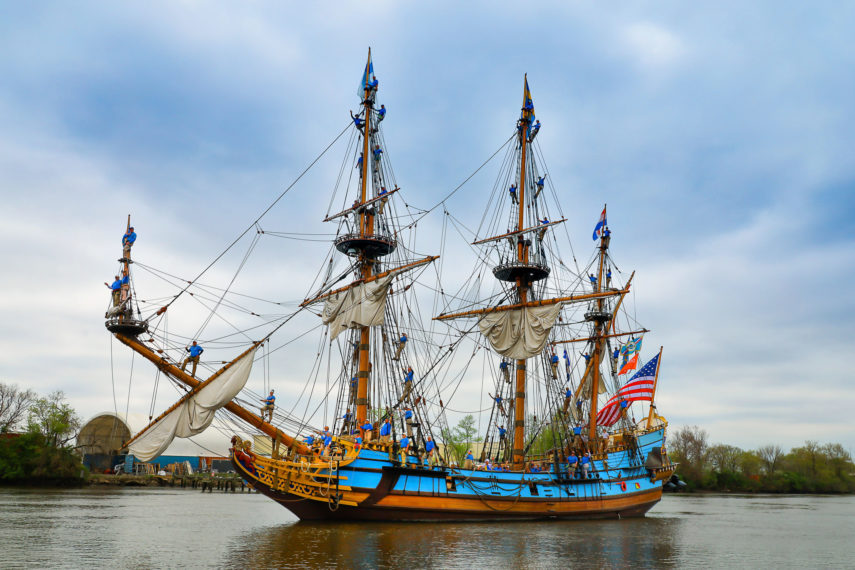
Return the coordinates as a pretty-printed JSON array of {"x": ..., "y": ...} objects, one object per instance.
[{"x": 720, "y": 134}]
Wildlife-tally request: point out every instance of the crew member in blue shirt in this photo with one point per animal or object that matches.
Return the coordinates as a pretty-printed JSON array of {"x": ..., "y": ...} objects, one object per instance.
[
  {"x": 269, "y": 402},
  {"x": 503, "y": 366},
  {"x": 593, "y": 279},
  {"x": 609, "y": 277},
  {"x": 513, "y": 192},
  {"x": 408, "y": 417},
  {"x": 401, "y": 342},
  {"x": 405, "y": 447},
  {"x": 539, "y": 184},
  {"x": 502, "y": 432},
  {"x": 572, "y": 464},
  {"x": 408, "y": 385},
  {"x": 377, "y": 152},
  {"x": 386, "y": 431},
  {"x": 554, "y": 360},
  {"x": 356, "y": 120},
  {"x": 534, "y": 130},
  {"x": 498, "y": 400},
  {"x": 128, "y": 241},
  {"x": 367, "y": 431},
  {"x": 381, "y": 113},
  {"x": 568, "y": 397},
  {"x": 586, "y": 465},
  {"x": 470, "y": 460},
  {"x": 116, "y": 288},
  {"x": 430, "y": 455},
  {"x": 586, "y": 356},
  {"x": 195, "y": 351}
]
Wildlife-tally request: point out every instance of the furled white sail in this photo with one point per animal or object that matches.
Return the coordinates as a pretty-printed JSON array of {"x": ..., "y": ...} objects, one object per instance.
[
  {"x": 519, "y": 333},
  {"x": 195, "y": 414},
  {"x": 363, "y": 305}
]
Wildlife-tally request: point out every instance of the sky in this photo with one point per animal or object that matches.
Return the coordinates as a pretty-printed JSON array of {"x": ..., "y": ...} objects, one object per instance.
[{"x": 719, "y": 133}]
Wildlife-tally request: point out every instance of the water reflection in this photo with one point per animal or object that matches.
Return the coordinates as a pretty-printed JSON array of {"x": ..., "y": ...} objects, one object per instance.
[{"x": 646, "y": 542}]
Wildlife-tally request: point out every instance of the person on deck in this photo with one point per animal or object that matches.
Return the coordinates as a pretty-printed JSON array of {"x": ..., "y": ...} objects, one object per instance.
[
  {"x": 586, "y": 465},
  {"x": 572, "y": 464},
  {"x": 386, "y": 431},
  {"x": 430, "y": 453},
  {"x": 408, "y": 385},
  {"x": 554, "y": 360},
  {"x": 506, "y": 373},
  {"x": 381, "y": 113},
  {"x": 470, "y": 460},
  {"x": 367, "y": 431},
  {"x": 405, "y": 450},
  {"x": 269, "y": 403},
  {"x": 195, "y": 351},
  {"x": 401, "y": 342},
  {"x": 513, "y": 192},
  {"x": 128, "y": 241}
]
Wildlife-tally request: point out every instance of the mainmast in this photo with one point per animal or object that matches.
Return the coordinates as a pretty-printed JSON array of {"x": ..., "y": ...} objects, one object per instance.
[
  {"x": 521, "y": 283},
  {"x": 366, "y": 224}
]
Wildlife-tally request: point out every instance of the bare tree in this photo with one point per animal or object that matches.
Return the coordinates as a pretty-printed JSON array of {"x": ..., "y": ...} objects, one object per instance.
[
  {"x": 14, "y": 404},
  {"x": 771, "y": 456}
]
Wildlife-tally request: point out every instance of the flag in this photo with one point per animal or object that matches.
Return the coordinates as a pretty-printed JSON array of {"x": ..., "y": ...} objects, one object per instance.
[
  {"x": 366, "y": 77},
  {"x": 629, "y": 365},
  {"x": 639, "y": 388},
  {"x": 601, "y": 225},
  {"x": 527, "y": 113},
  {"x": 631, "y": 347}
]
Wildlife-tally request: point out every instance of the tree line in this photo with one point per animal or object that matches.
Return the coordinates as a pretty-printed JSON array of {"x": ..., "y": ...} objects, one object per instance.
[
  {"x": 811, "y": 468},
  {"x": 35, "y": 438}
]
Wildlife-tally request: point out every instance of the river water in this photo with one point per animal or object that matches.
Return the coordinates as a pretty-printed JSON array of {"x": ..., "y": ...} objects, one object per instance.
[{"x": 177, "y": 528}]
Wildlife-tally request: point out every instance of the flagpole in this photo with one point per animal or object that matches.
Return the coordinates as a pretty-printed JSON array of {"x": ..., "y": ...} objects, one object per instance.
[{"x": 653, "y": 396}]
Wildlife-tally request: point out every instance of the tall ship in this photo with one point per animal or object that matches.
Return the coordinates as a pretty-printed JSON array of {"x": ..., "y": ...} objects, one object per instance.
[{"x": 565, "y": 425}]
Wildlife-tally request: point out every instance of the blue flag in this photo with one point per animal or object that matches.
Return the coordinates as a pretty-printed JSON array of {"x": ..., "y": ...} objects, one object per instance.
[
  {"x": 367, "y": 77},
  {"x": 601, "y": 225}
]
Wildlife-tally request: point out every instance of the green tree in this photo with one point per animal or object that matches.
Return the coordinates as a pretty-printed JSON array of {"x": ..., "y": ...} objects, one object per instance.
[
  {"x": 771, "y": 456},
  {"x": 458, "y": 439},
  {"x": 14, "y": 404},
  {"x": 55, "y": 419}
]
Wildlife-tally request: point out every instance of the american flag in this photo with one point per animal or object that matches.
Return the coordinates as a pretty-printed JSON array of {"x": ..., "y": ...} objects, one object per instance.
[{"x": 639, "y": 388}]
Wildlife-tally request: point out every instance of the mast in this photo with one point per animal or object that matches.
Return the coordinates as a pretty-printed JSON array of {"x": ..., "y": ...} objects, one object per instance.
[
  {"x": 522, "y": 284},
  {"x": 366, "y": 222},
  {"x": 599, "y": 317}
]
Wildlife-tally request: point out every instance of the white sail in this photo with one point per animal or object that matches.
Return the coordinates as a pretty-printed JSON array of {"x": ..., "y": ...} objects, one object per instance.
[
  {"x": 363, "y": 305},
  {"x": 195, "y": 414},
  {"x": 519, "y": 333}
]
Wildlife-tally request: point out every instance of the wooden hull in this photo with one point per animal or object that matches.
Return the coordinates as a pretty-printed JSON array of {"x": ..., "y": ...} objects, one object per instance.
[{"x": 366, "y": 487}]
